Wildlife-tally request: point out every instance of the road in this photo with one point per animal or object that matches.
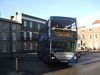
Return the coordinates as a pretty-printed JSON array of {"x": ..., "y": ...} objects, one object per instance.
[{"x": 30, "y": 64}]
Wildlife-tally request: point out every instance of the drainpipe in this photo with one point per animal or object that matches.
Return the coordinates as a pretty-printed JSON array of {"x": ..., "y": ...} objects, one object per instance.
[{"x": 10, "y": 40}]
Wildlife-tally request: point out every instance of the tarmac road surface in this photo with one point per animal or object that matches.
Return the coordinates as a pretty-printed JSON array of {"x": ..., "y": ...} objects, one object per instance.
[{"x": 30, "y": 64}]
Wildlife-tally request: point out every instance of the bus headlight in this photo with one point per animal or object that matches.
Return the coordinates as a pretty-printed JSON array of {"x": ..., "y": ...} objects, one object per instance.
[
  {"x": 75, "y": 57},
  {"x": 52, "y": 57}
]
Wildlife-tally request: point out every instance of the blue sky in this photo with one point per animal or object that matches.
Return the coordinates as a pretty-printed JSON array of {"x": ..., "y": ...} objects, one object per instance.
[{"x": 86, "y": 11}]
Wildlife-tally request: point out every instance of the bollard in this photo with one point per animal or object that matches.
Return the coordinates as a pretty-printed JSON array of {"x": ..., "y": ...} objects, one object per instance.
[
  {"x": 16, "y": 64},
  {"x": 88, "y": 52},
  {"x": 92, "y": 52},
  {"x": 84, "y": 53}
]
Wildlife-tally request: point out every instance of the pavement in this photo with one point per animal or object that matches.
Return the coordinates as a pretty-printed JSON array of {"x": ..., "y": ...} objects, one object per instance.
[{"x": 7, "y": 63}]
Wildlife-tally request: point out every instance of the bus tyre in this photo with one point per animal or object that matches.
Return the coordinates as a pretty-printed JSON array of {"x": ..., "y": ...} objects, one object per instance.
[
  {"x": 45, "y": 59},
  {"x": 67, "y": 63},
  {"x": 39, "y": 55}
]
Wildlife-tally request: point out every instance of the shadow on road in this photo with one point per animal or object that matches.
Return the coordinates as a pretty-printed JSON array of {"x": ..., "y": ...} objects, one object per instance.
[
  {"x": 58, "y": 66},
  {"x": 30, "y": 64}
]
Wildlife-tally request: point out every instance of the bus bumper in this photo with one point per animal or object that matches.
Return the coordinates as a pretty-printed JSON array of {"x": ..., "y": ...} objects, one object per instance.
[{"x": 74, "y": 59}]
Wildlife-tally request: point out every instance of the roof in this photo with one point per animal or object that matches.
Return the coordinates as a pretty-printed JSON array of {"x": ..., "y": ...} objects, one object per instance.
[
  {"x": 33, "y": 17},
  {"x": 96, "y": 22},
  {"x": 62, "y": 17},
  {"x": 8, "y": 20}
]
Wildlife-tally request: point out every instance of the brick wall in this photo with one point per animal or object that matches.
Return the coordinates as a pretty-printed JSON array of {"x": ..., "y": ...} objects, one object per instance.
[{"x": 89, "y": 43}]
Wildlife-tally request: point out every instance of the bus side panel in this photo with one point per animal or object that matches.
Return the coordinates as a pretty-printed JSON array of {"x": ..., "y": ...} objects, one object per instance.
[{"x": 44, "y": 51}]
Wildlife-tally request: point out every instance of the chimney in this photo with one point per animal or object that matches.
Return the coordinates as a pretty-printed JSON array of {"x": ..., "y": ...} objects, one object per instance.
[
  {"x": 16, "y": 13},
  {"x": 11, "y": 17}
]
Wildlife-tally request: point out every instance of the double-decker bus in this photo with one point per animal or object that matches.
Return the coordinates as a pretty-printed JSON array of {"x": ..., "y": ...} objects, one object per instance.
[{"x": 58, "y": 40}]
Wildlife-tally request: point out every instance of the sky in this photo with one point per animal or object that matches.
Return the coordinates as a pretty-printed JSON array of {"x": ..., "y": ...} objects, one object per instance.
[{"x": 86, "y": 11}]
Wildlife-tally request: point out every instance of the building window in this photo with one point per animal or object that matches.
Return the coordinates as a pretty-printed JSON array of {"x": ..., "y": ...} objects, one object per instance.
[
  {"x": 89, "y": 29},
  {"x": 82, "y": 31},
  {"x": 36, "y": 45},
  {"x": 90, "y": 45},
  {"x": 4, "y": 48},
  {"x": 31, "y": 45},
  {"x": 14, "y": 48},
  {"x": 25, "y": 23},
  {"x": 83, "y": 45},
  {"x": 38, "y": 26},
  {"x": 25, "y": 35},
  {"x": 14, "y": 36},
  {"x": 4, "y": 36},
  {"x": 25, "y": 46},
  {"x": 78, "y": 45},
  {"x": 14, "y": 27},
  {"x": 82, "y": 36},
  {"x": 30, "y": 35},
  {"x": 31, "y": 25},
  {"x": 90, "y": 36},
  {"x": 4, "y": 26},
  {"x": 96, "y": 36},
  {"x": 95, "y": 29},
  {"x": 96, "y": 45}
]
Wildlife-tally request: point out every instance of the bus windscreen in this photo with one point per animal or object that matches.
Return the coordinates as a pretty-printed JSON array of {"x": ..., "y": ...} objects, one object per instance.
[
  {"x": 63, "y": 46},
  {"x": 63, "y": 24}
]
